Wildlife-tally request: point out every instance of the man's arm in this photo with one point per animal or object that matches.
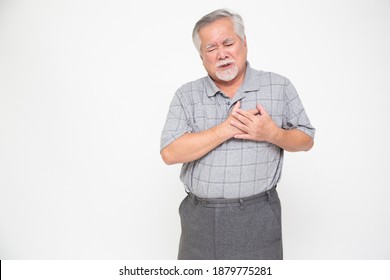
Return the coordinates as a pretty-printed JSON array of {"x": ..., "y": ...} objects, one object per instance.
[
  {"x": 261, "y": 127},
  {"x": 192, "y": 146},
  {"x": 293, "y": 140}
]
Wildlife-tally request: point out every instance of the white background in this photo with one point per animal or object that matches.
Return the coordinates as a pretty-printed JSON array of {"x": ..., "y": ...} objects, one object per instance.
[{"x": 85, "y": 87}]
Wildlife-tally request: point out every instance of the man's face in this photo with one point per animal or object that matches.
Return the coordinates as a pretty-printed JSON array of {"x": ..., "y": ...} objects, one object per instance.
[{"x": 223, "y": 53}]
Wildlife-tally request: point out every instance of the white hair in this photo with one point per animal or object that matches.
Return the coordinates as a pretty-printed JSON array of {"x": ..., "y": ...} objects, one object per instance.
[{"x": 237, "y": 21}]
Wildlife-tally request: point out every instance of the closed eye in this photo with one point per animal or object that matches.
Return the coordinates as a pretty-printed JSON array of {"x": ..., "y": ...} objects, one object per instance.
[
  {"x": 211, "y": 49},
  {"x": 228, "y": 43}
]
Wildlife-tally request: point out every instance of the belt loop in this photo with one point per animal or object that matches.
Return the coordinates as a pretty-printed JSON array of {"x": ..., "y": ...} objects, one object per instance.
[
  {"x": 193, "y": 199},
  {"x": 268, "y": 195},
  {"x": 241, "y": 203}
]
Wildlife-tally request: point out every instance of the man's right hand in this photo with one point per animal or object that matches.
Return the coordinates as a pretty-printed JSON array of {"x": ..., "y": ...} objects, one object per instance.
[
  {"x": 192, "y": 146},
  {"x": 232, "y": 130},
  {"x": 226, "y": 125}
]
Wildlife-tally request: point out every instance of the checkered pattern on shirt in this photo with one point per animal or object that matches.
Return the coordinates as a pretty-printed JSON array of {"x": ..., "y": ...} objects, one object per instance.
[{"x": 236, "y": 168}]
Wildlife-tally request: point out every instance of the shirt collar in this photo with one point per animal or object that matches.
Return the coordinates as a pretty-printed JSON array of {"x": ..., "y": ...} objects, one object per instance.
[
  {"x": 249, "y": 83},
  {"x": 211, "y": 87}
]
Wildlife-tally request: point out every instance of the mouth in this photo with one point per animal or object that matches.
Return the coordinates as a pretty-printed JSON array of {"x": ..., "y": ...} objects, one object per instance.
[{"x": 224, "y": 64}]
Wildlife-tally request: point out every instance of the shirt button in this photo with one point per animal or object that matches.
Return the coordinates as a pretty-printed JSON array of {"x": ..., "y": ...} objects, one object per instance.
[{"x": 228, "y": 103}]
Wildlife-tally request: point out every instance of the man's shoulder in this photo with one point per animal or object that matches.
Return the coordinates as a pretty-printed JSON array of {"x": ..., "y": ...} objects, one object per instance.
[
  {"x": 270, "y": 78},
  {"x": 194, "y": 86}
]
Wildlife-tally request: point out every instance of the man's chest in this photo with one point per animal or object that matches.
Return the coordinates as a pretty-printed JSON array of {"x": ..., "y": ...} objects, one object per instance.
[{"x": 206, "y": 112}]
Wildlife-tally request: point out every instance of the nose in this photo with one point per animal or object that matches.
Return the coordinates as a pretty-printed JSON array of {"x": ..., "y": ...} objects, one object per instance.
[{"x": 222, "y": 54}]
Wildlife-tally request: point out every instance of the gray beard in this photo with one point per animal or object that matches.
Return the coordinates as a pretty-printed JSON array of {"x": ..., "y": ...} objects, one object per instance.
[{"x": 227, "y": 75}]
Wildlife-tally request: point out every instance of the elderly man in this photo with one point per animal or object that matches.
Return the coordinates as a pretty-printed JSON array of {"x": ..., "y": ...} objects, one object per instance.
[{"x": 230, "y": 129}]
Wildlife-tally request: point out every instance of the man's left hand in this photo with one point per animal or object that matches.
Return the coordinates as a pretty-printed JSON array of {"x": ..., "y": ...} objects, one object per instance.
[{"x": 257, "y": 124}]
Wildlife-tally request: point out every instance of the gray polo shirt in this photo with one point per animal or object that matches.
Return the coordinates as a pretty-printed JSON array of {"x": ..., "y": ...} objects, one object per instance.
[{"x": 236, "y": 168}]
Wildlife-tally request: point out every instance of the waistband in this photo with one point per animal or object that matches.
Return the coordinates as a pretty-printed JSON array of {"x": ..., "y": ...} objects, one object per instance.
[{"x": 229, "y": 202}]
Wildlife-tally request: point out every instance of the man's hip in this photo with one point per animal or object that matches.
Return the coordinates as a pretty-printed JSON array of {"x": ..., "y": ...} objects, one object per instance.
[{"x": 246, "y": 228}]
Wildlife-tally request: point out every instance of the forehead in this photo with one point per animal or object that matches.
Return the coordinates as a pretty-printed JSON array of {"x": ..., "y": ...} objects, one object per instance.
[{"x": 218, "y": 31}]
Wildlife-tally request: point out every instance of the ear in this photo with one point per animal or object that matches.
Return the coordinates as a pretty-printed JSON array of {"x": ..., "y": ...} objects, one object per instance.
[{"x": 245, "y": 41}]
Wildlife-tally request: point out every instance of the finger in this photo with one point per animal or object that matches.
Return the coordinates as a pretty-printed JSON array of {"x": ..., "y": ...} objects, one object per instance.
[
  {"x": 240, "y": 126},
  {"x": 244, "y": 136},
  {"x": 246, "y": 114},
  {"x": 236, "y": 106},
  {"x": 254, "y": 112},
  {"x": 241, "y": 118},
  {"x": 261, "y": 110}
]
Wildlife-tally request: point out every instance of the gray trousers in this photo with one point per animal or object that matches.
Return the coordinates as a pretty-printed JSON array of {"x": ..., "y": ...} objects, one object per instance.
[{"x": 247, "y": 228}]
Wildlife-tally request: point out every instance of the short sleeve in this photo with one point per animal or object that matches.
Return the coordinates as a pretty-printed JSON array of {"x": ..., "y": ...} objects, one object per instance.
[
  {"x": 177, "y": 122},
  {"x": 294, "y": 114}
]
